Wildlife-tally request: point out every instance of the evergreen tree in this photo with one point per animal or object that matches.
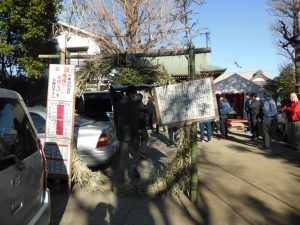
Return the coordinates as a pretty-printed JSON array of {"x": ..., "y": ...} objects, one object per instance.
[
  {"x": 285, "y": 82},
  {"x": 26, "y": 32}
]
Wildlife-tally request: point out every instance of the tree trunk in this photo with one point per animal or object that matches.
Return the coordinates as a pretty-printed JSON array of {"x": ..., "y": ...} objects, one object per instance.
[
  {"x": 296, "y": 34},
  {"x": 297, "y": 64}
]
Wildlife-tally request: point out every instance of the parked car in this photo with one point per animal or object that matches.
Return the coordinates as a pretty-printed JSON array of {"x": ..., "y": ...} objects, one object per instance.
[
  {"x": 96, "y": 104},
  {"x": 24, "y": 197},
  {"x": 95, "y": 141}
]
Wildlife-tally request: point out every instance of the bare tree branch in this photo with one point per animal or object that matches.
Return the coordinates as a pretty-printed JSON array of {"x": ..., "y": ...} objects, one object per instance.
[
  {"x": 288, "y": 12},
  {"x": 134, "y": 25}
]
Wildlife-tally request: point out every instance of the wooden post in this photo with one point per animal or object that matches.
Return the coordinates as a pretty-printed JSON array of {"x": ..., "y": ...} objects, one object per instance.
[
  {"x": 193, "y": 145},
  {"x": 62, "y": 60}
]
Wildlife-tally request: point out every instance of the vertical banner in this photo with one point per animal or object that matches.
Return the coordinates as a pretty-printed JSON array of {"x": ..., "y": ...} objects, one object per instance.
[{"x": 60, "y": 119}]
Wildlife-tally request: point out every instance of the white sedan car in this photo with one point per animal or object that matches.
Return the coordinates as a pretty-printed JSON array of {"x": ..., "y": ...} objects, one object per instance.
[{"x": 95, "y": 141}]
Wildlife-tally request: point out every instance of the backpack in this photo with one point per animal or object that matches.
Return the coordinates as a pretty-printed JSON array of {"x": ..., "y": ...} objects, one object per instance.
[{"x": 269, "y": 108}]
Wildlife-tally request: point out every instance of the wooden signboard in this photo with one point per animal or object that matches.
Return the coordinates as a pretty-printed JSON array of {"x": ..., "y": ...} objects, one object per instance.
[
  {"x": 185, "y": 103},
  {"x": 60, "y": 120}
]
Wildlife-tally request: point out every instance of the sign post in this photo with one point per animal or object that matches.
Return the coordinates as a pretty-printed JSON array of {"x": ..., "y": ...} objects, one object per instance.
[
  {"x": 185, "y": 104},
  {"x": 60, "y": 121},
  {"x": 194, "y": 153}
]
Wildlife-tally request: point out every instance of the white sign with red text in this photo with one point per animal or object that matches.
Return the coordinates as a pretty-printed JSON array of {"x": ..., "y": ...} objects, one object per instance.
[{"x": 60, "y": 119}]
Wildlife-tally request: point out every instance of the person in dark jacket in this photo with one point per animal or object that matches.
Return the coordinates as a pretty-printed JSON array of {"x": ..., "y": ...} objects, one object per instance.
[
  {"x": 127, "y": 124},
  {"x": 224, "y": 111},
  {"x": 248, "y": 102},
  {"x": 254, "y": 115},
  {"x": 143, "y": 133},
  {"x": 151, "y": 109},
  {"x": 268, "y": 113}
]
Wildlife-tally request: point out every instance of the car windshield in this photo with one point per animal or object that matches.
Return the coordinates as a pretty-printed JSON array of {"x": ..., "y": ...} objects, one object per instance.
[{"x": 97, "y": 104}]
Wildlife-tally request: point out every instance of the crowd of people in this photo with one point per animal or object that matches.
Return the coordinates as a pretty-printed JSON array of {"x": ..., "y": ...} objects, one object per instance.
[
  {"x": 134, "y": 117},
  {"x": 264, "y": 112},
  {"x": 261, "y": 113},
  {"x": 261, "y": 116}
]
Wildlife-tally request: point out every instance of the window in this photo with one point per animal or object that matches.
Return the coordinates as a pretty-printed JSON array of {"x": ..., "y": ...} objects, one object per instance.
[
  {"x": 17, "y": 136},
  {"x": 39, "y": 122}
]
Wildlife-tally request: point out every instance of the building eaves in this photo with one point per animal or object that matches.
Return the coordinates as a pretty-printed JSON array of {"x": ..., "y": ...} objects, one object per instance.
[
  {"x": 246, "y": 75},
  {"x": 76, "y": 30},
  {"x": 178, "y": 65}
]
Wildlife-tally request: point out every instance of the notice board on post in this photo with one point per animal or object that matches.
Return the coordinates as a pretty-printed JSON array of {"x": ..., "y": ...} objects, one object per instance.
[
  {"x": 60, "y": 120},
  {"x": 185, "y": 103}
]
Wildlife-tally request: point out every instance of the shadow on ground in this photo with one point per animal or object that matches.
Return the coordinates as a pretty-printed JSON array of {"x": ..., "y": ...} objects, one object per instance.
[
  {"x": 124, "y": 209},
  {"x": 279, "y": 149}
]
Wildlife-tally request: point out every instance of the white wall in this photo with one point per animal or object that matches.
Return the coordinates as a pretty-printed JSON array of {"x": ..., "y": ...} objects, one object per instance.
[{"x": 67, "y": 39}]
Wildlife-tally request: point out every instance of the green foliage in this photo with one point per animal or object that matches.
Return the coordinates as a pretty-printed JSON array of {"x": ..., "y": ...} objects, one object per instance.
[
  {"x": 32, "y": 66},
  {"x": 92, "y": 70},
  {"x": 5, "y": 50},
  {"x": 26, "y": 32},
  {"x": 128, "y": 76},
  {"x": 130, "y": 71},
  {"x": 285, "y": 82}
]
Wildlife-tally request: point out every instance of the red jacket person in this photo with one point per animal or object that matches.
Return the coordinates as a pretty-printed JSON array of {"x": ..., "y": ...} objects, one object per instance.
[{"x": 294, "y": 112}]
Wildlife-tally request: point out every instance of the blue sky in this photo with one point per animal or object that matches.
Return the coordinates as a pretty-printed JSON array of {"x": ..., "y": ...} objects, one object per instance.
[{"x": 240, "y": 31}]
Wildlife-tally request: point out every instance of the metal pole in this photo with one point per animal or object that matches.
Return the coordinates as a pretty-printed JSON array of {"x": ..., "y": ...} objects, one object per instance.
[{"x": 193, "y": 144}]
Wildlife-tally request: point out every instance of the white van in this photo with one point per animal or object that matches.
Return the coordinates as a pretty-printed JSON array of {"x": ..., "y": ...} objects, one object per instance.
[{"x": 24, "y": 197}]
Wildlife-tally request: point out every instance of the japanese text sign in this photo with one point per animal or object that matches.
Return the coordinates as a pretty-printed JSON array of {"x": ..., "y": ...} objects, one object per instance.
[
  {"x": 60, "y": 119},
  {"x": 184, "y": 103}
]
